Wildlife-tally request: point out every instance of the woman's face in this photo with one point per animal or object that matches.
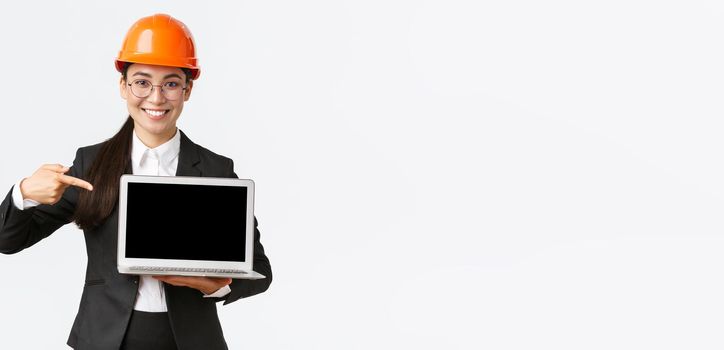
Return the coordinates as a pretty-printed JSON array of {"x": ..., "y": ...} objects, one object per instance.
[{"x": 155, "y": 115}]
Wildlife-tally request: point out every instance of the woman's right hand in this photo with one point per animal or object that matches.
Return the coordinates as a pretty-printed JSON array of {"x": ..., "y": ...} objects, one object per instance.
[{"x": 47, "y": 184}]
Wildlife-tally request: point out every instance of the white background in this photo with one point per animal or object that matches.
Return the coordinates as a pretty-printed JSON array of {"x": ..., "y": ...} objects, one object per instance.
[{"x": 430, "y": 174}]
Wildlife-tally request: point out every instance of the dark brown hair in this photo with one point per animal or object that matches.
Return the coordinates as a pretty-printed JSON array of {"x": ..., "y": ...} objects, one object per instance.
[{"x": 112, "y": 161}]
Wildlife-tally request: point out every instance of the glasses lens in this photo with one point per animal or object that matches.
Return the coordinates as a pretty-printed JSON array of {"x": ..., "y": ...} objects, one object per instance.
[
  {"x": 141, "y": 88},
  {"x": 172, "y": 90}
]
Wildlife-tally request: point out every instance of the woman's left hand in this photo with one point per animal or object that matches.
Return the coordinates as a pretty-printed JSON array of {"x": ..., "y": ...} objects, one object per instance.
[{"x": 206, "y": 285}]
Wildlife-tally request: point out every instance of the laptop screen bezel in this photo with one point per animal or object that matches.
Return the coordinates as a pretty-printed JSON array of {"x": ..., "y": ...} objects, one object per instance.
[{"x": 125, "y": 263}]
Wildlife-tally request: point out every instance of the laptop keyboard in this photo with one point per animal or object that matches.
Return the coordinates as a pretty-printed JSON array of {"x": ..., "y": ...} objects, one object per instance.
[{"x": 185, "y": 269}]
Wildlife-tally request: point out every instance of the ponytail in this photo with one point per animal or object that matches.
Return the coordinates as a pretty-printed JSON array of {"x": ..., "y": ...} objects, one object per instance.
[{"x": 112, "y": 161}]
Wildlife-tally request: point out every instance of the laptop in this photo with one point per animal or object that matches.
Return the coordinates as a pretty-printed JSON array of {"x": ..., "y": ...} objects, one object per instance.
[{"x": 190, "y": 226}]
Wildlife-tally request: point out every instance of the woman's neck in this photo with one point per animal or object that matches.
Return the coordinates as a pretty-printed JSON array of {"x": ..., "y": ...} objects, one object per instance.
[{"x": 154, "y": 140}]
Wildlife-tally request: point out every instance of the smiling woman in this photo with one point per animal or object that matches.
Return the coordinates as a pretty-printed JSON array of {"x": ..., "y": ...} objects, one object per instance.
[
  {"x": 158, "y": 65},
  {"x": 155, "y": 97}
]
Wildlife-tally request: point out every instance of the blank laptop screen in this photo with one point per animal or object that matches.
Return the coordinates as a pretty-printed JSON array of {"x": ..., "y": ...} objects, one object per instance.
[{"x": 186, "y": 222}]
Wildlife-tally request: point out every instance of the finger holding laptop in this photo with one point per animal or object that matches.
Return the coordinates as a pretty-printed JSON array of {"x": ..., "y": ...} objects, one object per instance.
[{"x": 49, "y": 182}]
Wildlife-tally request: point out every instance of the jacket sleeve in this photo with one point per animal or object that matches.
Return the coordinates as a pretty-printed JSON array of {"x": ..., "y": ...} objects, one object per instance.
[
  {"x": 242, "y": 288},
  {"x": 20, "y": 229}
]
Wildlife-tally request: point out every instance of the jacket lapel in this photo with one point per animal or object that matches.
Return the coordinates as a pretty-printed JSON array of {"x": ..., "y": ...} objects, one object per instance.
[{"x": 188, "y": 158}]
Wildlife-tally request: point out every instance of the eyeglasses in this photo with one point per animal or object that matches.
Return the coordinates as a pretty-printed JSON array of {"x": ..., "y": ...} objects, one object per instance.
[{"x": 143, "y": 88}]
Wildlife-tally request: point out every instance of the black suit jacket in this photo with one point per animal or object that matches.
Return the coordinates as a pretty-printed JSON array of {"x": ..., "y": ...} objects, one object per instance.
[{"x": 108, "y": 297}]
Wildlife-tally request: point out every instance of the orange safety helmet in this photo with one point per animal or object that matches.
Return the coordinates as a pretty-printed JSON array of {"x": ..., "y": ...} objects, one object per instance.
[{"x": 160, "y": 40}]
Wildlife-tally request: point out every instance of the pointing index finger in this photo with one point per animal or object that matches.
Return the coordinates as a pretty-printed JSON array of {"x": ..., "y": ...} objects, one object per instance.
[{"x": 74, "y": 181}]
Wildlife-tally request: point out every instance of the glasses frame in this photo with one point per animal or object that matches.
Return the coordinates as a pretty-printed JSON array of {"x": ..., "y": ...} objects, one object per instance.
[{"x": 153, "y": 86}]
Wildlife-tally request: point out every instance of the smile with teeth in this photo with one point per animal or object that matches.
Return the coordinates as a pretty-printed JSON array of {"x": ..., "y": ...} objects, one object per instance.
[{"x": 155, "y": 113}]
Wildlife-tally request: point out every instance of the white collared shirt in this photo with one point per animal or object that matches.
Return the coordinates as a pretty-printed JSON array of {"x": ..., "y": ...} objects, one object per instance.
[{"x": 159, "y": 161}]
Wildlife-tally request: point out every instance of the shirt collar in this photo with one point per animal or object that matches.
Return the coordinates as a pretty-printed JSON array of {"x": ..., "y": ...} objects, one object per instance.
[{"x": 166, "y": 152}]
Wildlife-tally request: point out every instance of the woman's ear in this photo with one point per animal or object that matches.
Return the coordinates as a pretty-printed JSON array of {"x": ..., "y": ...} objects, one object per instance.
[
  {"x": 123, "y": 87},
  {"x": 187, "y": 92}
]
